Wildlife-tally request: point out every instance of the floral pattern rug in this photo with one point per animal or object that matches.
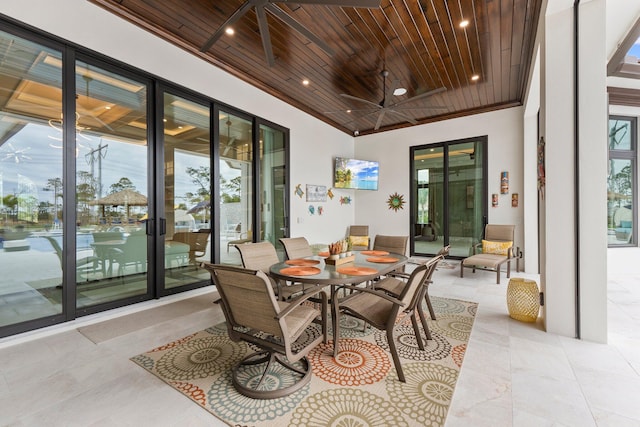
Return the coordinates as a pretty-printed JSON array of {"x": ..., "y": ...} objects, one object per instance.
[{"x": 358, "y": 388}]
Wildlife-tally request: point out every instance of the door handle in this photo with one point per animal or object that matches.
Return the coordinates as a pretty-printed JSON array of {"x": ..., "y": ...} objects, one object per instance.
[{"x": 163, "y": 226}]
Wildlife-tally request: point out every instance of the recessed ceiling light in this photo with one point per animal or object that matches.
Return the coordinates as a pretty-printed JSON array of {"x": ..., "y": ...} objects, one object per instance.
[
  {"x": 464, "y": 23},
  {"x": 348, "y": 111},
  {"x": 305, "y": 82},
  {"x": 400, "y": 91},
  {"x": 229, "y": 31},
  {"x": 475, "y": 77}
]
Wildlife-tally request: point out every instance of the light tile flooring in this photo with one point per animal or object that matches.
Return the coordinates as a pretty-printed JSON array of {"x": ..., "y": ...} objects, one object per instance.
[{"x": 513, "y": 374}]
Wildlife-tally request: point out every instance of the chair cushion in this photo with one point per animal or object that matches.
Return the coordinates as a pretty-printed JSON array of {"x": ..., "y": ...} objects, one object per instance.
[
  {"x": 497, "y": 248},
  {"x": 485, "y": 260},
  {"x": 359, "y": 240}
]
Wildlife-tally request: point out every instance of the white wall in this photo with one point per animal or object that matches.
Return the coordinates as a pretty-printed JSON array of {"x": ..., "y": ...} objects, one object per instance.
[
  {"x": 313, "y": 143},
  {"x": 505, "y": 148}
]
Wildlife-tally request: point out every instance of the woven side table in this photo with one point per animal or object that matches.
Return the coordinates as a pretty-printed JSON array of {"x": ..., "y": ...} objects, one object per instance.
[{"x": 523, "y": 299}]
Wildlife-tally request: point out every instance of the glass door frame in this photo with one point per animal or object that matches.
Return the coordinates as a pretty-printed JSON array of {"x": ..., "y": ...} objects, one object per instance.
[
  {"x": 159, "y": 217},
  {"x": 69, "y": 110},
  {"x": 483, "y": 140}
]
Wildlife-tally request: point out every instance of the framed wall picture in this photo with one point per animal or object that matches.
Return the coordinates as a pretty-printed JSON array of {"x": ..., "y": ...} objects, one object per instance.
[{"x": 316, "y": 193}]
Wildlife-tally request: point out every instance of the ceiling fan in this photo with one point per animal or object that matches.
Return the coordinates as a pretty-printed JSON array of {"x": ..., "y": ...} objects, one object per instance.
[
  {"x": 261, "y": 6},
  {"x": 385, "y": 106}
]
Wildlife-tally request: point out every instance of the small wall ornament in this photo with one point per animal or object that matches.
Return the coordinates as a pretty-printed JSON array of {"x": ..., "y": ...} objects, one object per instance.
[
  {"x": 299, "y": 191},
  {"x": 396, "y": 201},
  {"x": 345, "y": 200}
]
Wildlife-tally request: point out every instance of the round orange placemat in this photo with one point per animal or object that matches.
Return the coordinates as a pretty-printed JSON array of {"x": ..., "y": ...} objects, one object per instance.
[
  {"x": 374, "y": 253},
  {"x": 356, "y": 271},
  {"x": 382, "y": 259},
  {"x": 300, "y": 271},
  {"x": 302, "y": 261}
]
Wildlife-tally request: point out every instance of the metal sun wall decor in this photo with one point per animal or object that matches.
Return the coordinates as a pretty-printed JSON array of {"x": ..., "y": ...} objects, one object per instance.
[{"x": 396, "y": 201}]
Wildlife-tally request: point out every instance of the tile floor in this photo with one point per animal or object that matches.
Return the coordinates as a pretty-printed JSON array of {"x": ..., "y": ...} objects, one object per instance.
[{"x": 514, "y": 374}]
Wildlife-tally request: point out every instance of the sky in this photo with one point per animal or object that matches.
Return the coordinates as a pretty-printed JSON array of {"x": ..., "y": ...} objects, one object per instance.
[
  {"x": 635, "y": 49},
  {"x": 39, "y": 158}
]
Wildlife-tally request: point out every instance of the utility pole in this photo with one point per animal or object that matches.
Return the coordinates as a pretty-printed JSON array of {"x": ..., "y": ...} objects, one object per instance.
[{"x": 97, "y": 155}]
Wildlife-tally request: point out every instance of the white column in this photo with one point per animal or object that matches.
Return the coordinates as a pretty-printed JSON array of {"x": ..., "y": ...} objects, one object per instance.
[{"x": 561, "y": 266}]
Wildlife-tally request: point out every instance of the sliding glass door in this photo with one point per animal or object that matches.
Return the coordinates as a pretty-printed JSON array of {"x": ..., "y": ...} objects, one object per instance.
[
  {"x": 32, "y": 264},
  {"x": 273, "y": 184},
  {"x": 236, "y": 183},
  {"x": 449, "y": 206},
  {"x": 112, "y": 181},
  {"x": 187, "y": 191}
]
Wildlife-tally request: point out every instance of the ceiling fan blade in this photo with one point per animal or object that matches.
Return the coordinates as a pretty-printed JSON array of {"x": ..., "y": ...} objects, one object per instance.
[
  {"x": 404, "y": 116},
  {"x": 422, "y": 95},
  {"x": 343, "y": 3},
  {"x": 379, "y": 121},
  {"x": 232, "y": 20},
  {"x": 284, "y": 17},
  {"x": 435, "y": 108},
  {"x": 388, "y": 96},
  {"x": 367, "y": 110},
  {"x": 228, "y": 146},
  {"x": 355, "y": 98},
  {"x": 263, "y": 25}
]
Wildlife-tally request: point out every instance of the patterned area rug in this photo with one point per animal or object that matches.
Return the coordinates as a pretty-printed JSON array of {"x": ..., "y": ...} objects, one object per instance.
[{"x": 359, "y": 388}]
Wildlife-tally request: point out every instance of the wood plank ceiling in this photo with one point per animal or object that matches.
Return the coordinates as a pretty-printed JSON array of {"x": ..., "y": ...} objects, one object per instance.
[{"x": 420, "y": 43}]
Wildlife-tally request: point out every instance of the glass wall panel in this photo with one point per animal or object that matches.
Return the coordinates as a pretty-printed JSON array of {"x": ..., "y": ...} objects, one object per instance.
[
  {"x": 31, "y": 185},
  {"x": 273, "y": 208},
  {"x": 621, "y": 181},
  {"x": 112, "y": 182},
  {"x": 429, "y": 208},
  {"x": 465, "y": 196},
  {"x": 187, "y": 191},
  {"x": 236, "y": 185}
]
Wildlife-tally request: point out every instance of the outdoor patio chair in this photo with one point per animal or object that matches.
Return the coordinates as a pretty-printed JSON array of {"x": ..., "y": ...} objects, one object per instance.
[
  {"x": 382, "y": 311},
  {"x": 261, "y": 256},
  {"x": 84, "y": 265},
  {"x": 394, "y": 286},
  {"x": 253, "y": 314},
  {"x": 495, "y": 250},
  {"x": 359, "y": 237},
  {"x": 393, "y": 244},
  {"x": 296, "y": 247}
]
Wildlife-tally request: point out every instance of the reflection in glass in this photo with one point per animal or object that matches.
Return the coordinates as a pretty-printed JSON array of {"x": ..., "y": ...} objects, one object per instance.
[
  {"x": 620, "y": 201},
  {"x": 449, "y": 209},
  {"x": 111, "y": 178},
  {"x": 187, "y": 191},
  {"x": 236, "y": 185},
  {"x": 621, "y": 191},
  {"x": 273, "y": 209},
  {"x": 31, "y": 185}
]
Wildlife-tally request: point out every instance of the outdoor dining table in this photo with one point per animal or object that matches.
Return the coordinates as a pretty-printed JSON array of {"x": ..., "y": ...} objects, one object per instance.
[{"x": 367, "y": 266}]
